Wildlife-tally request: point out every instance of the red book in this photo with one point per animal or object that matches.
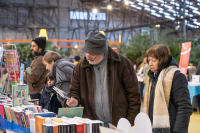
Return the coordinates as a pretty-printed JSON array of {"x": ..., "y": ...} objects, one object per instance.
[
  {"x": 79, "y": 128},
  {"x": 2, "y": 113},
  {"x": 84, "y": 126}
]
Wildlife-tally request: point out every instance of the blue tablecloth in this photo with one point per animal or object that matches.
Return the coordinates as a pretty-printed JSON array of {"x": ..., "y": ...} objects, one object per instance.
[{"x": 193, "y": 90}]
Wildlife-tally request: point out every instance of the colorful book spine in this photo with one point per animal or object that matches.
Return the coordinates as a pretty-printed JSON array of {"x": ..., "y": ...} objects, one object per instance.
[
  {"x": 24, "y": 119},
  {"x": 19, "y": 119},
  {"x": 79, "y": 128},
  {"x": 38, "y": 109},
  {"x": 55, "y": 129},
  {"x": 13, "y": 116},
  {"x": 2, "y": 111}
]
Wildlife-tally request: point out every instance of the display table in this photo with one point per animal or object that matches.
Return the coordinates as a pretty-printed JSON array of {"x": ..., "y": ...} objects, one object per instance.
[{"x": 194, "y": 90}]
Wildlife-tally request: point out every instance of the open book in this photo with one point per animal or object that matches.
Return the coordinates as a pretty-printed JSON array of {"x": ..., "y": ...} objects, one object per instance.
[{"x": 62, "y": 93}]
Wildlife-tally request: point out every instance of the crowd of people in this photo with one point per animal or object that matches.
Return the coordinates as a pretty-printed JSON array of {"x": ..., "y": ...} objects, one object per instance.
[{"x": 105, "y": 84}]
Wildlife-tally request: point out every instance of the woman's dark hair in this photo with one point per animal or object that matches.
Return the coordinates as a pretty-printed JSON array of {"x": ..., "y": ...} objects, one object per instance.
[
  {"x": 49, "y": 76},
  {"x": 160, "y": 52}
]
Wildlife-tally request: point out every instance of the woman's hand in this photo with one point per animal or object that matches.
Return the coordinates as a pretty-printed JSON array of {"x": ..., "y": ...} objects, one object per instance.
[{"x": 72, "y": 102}]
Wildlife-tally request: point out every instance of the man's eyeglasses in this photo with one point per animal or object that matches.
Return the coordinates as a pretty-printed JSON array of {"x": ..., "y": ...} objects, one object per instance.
[{"x": 90, "y": 56}]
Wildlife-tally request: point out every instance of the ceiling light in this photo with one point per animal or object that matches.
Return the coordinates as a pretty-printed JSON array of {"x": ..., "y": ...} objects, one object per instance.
[
  {"x": 94, "y": 10},
  {"x": 109, "y": 7},
  {"x": 126, "y": 2},
  {"x": 76, "y": 46}
]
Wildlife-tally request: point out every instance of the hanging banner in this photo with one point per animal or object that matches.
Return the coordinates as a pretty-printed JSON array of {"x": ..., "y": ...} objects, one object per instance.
[
  {"x": 115, "y": 49},
  {"x": 185, "y": 55}
]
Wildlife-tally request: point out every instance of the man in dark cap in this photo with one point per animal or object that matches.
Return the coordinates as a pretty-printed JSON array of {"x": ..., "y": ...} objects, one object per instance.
[
  {"x": 105, "y": 83},
  {"x": 36, "y": 77}
]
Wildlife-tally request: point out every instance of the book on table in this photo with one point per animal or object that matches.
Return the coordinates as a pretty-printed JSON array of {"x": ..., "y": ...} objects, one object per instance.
[{"x": 70, "y": 112}]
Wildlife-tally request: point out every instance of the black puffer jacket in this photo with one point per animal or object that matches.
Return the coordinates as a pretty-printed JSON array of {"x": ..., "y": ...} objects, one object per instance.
[
  {"x": 49, "y": 102},
  {"x": 180, "y": 107}
]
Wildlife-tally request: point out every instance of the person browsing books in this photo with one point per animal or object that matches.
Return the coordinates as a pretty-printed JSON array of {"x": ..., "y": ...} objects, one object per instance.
[
  {"x": 61, "y": 70},
  {"x": 166, "y": 98},
  {"x": 35, "y": 77},
  {"x": 49, "y": 98},
  {"x": 104, "y": 83}
]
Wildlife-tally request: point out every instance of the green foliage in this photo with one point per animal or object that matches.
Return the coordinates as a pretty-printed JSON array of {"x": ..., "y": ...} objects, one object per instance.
[
  {"x": 63, "y": 53},
  {"x": 25, "y": 52},
  {"x": 139, "y": 44}
]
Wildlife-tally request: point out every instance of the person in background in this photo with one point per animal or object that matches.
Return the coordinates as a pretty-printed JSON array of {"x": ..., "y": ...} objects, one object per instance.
[
  {"x": 36, "y": 79},
  {"x": 71, "y": 59},
  {"x": 61, "y": 70},
  {"x": 77, "y": 59},
  {"x": 141, "y": 84},
  {"x": 104, "y": 83},
  {"x": 166, "y": 99},
  {"x": 49, "y": 98},
  {"x": 198, "y": 69}
]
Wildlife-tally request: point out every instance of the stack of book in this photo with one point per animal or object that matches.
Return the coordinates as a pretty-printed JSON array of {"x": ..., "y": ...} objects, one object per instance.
[
  {"x": 66, "y": 125},
  {"x": 21, "y": 115}
]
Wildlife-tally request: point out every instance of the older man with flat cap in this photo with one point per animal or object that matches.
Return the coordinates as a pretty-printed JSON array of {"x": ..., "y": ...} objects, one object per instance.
[
  {"x": 36, "y": 78},
  {"x": 105, "y": 83}
]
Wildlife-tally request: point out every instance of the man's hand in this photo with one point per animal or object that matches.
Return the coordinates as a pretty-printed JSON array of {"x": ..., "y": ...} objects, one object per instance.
[{"x": 72, "y": 102}]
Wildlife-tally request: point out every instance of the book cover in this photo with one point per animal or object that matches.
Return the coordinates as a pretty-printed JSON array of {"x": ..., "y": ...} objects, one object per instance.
[
  {"x": 55, "y": 129},
  {"x": 24, "y": 119},
  {"x": 47, "y": 128},
  {"x": 88, "y": 123},
  {"x": 19, "y": 95},
  {"x": 12, "y": 64},
  {"x": 44, "y": 130},
  {"x": 38, "y": 109},
  {"x": 68, "y": 128},
  {"x": 19, "y": 118},
  {"x": 61, "y": 93},
  {"x": 70, "y": 112},
  {"x": 13, "y": 115},
  {"x": 2, "y": 111},
  {"x": 79, "y": 128},
  {"x": 38, "y": 124},
  {"x": 8, "y": 113},
  {"x": 27, "y": 118},
  {"x": 47, "y": 114},
  {"x": 84, "y": 126},
  {"x": 32, "y": 125},
  {"x": 11, "y": 60}
]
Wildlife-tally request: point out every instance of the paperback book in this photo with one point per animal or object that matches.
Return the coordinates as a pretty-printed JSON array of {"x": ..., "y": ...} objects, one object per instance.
[
  {"x": 61, "y": 93},
  {"x": 19, "y": 95}
]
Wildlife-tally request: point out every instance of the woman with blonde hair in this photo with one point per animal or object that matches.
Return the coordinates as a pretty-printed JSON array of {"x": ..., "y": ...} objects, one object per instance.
[
  {"x": 61, "y": 70},
  {"x": 166, "y": 98}
]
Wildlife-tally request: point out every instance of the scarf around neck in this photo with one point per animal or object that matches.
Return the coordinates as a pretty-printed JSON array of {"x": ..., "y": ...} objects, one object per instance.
[
  {"x": 49, "y": 89},
  {"x": 161, "y": 120}
]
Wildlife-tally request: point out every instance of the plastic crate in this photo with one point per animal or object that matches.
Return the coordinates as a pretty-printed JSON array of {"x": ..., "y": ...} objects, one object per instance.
[{"x": 5, "y": 124}]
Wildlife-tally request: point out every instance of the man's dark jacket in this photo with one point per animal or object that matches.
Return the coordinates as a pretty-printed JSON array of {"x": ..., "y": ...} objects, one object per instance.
[
  {"x": 180, "y": 107},
  {"x": 123, "y": 91},
  {"x": 36, "y": 79}
]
